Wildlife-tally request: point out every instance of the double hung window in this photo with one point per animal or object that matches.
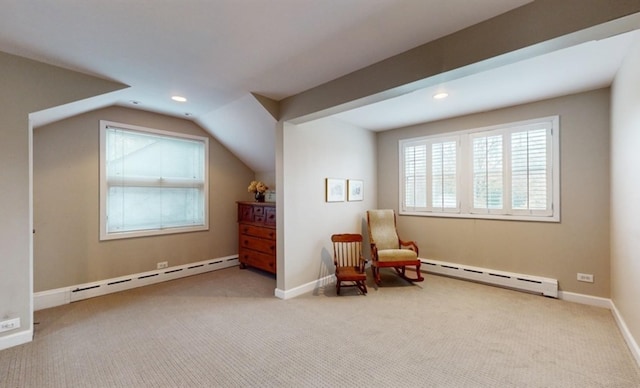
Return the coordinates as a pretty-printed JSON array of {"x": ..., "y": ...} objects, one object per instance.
[
  {"x": 505, "y": 172},
  {"x": 151, "y": 181}
]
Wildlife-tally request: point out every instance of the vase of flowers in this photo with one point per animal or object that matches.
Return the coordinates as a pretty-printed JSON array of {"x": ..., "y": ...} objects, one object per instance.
[{"x": 258, "y": 188}]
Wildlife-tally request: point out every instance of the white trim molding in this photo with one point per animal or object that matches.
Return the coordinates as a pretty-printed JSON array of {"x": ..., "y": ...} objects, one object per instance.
[
  {"x": 626, "y": 334},
  {"x": 590, "y": 300},
  {"x": 15, "y": 339},
  {"x": 304, "y": 288}
]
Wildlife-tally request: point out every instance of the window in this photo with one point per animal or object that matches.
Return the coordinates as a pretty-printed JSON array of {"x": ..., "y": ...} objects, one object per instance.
[
  {"x": 430, "y": 171},
  {"x": 504, "y": 172},
  {"x": 151, "y": 182}
]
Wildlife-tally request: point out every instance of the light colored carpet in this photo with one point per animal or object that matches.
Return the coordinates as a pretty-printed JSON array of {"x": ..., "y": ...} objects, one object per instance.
[{"x": 225, "y": 329}]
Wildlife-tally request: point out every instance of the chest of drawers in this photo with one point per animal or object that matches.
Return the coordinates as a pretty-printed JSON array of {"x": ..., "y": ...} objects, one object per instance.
[{"x": 257, "y": 235}]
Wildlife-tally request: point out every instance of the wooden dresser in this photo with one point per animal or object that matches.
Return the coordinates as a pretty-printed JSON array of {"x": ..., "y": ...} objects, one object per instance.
[{"x": 257, "y": 235}]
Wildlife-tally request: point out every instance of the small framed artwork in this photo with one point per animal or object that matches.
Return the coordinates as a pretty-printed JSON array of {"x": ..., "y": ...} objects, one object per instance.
[
  {"x": 336, "y": 190},
  {"x": 270, "y": 196},
  {"x": 355, "y": 190}
]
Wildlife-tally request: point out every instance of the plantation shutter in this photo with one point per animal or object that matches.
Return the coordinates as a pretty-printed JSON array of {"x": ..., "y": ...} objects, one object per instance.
[
  {"x": 531, "y": 171},
  {"x": 488, "y": 173},
  {"x": 415, "y": 176},
  {"x": 444, "y": 179}
]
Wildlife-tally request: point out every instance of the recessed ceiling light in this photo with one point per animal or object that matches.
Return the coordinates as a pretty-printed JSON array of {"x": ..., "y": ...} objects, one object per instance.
[
  {"x": 440, "y": 96},
  {"x": 179, "y": 98}
]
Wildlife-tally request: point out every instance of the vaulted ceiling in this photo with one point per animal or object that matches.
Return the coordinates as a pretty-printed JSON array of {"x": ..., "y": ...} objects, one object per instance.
[{"x": 225, "y": 56}]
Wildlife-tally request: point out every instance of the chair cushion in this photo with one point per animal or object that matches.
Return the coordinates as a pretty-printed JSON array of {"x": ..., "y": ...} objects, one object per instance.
[{"x": 396, "y": 255}]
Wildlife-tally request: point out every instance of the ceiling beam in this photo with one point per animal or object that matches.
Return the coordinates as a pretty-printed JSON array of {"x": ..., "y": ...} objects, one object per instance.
[{"x": 450, "y": 57}]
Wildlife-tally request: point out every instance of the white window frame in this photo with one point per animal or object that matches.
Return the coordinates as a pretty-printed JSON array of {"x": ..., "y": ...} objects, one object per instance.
[
  {"x": 428, "y": 143},
  {"x": 464, "y": 189},
  {"x": 104, "y": 233}
]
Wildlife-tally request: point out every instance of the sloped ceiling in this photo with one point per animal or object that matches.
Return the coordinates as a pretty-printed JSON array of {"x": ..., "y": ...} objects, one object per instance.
[
  {"x": 218, "y": 52},
  {"x": 233, "y": 59}
]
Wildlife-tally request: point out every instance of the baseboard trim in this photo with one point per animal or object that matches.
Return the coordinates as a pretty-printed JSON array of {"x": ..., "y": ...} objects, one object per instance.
[
  {"x": 61, "y": 296},
  {"x": 15, "y": 339},
  {"x": 586, "y": 299},
  {"x": 626, "y": 334},
  {"x": 303, "y": 289}
]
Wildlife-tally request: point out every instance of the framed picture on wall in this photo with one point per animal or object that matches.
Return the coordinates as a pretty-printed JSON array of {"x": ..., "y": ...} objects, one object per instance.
[
  {"x": 335, "y": 190},
  {"x": 355, "y": 190}
]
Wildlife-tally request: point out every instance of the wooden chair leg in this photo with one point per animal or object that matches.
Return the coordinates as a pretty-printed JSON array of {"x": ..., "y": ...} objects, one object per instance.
[
  {"x": 376, "y": 274},
  {"x": 363, "y": 287}
]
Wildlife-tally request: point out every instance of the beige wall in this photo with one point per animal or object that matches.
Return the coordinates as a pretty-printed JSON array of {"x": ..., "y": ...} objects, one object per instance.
[
  {"x": 579, "y": 243},
  {"x": 625, "y": 193},
  {"x": 67, "y": 250},
  {"x": 313, "y": 152},
  {"x": 27, "y": 87}
]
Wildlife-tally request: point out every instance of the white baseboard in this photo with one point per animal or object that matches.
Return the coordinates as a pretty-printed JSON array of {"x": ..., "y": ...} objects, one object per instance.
[
  {"x": 586, "y": 299},
  {"x": 308, "y": 287},
  {"x": 631, "y": 342},
  {"x": 65, "y": 295},
  {"x": 15, "y": 339}
]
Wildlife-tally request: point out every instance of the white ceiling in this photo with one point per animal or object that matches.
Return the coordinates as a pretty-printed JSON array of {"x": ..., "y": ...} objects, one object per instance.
[{"x": 217, "y": 52}]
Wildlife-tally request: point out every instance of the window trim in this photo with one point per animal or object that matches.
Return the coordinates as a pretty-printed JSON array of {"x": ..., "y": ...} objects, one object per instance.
[
  {"x": 104, "y": 234},
  {"x": 465, "y": 184}
]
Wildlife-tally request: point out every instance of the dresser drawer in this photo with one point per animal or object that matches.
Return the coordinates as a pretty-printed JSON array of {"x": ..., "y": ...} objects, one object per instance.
[
  {"x": 258, "y": 244},
  {"x": 258, "y": 260},
  {"x": 257, "y": 231}
]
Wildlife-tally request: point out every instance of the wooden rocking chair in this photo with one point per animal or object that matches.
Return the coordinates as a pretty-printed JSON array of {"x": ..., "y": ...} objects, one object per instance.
[
  {"x": 387, "y": 249},
  {"x": 347, "y": 257}
]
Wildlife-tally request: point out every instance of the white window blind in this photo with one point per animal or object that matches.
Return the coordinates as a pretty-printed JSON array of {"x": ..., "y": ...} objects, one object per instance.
[
  {"x": 509, "y": 171},
  {"x": 444, "y": 179},
  {"x": 530, "y": 170},
  {"x": 415, "y": 162},
  {"x": 152, "y": 182},
  {"x": 430, "y": 171},
  {"x": 488, "y": 179}
]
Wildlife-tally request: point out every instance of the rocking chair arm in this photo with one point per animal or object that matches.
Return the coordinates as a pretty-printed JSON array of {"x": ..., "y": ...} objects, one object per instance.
[
  {"x": 411, "y": 244},
  {"x": 374, "y": 252}
]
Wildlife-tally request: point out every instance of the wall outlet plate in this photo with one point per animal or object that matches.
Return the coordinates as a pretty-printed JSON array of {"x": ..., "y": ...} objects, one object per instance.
[
  {"x": 162, "y": 264},
  {"x": 10, "y": 324},
  {"x": 585, "y": 277}
]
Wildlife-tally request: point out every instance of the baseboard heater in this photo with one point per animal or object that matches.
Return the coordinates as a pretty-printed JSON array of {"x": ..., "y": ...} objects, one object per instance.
[
  {"x": 142, "y": 279},
  {"x": 60, "y": 296},
  {"x": 535, "y": 284}
]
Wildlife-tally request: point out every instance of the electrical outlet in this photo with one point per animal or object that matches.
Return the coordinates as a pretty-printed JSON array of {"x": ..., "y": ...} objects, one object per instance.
[
  {"x": 9, "y": 324},
  {"x": 163, "y": 264},
  {"x": 585, "y": 277}
]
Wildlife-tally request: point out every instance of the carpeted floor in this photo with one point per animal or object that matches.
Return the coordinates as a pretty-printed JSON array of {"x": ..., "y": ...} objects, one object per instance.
[{"x": 226, "y": 329}]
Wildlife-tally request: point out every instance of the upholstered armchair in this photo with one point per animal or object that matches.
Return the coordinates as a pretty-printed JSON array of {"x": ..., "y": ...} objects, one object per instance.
[{"x": 387, "y": 249}]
